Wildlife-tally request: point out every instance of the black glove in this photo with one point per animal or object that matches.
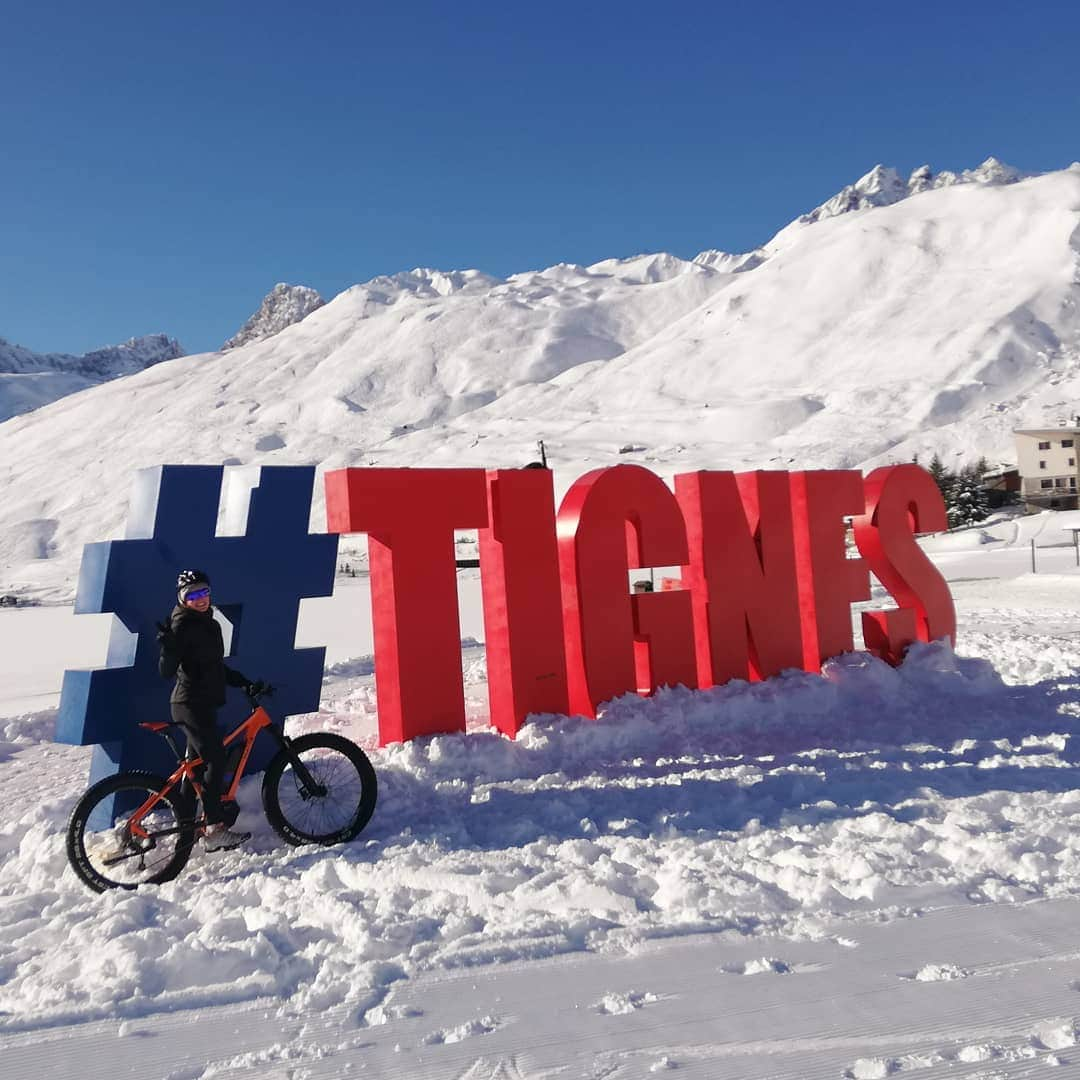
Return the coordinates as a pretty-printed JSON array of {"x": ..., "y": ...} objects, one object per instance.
[
  {"x": 258, "y": 688},
  {"x": 169, "y": 657}
]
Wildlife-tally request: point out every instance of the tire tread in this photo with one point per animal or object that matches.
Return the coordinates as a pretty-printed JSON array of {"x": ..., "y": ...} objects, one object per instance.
[
  {"x": 76, "y": 826},
  {"x": 368, "y": 797}
]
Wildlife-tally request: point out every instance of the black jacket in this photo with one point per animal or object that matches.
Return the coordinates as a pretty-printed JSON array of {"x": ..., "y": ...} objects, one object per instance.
[{"x": 195, "y": 653}]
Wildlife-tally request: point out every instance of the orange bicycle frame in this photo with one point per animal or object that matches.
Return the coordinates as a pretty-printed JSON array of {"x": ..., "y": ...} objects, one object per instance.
[{"x": 188, "y": 767}]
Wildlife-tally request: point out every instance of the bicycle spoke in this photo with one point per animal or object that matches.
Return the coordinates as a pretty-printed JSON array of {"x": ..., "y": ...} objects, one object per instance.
[
  {"x": 335, "y": 803},
  {"x": 324, "y": 815},
  {"x": 118, "y": 853}
]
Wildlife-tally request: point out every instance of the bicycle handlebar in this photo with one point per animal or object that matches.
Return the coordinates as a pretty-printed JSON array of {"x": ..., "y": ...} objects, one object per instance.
[{"x": 258, "y": 689}]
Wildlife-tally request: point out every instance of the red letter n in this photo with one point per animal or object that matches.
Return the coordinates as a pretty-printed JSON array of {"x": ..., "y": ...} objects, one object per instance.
[{"x": 741, "y": 574}]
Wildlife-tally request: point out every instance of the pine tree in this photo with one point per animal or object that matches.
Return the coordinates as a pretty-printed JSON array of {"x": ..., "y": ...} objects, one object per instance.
[
  {"x": 937, "y": 470},
  {"x": 966, "y": 501}
]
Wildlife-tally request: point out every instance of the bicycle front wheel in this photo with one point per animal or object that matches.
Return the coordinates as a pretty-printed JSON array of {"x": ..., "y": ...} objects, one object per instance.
[
  {"x": 107, "y": 852},
  {"x": 342, "y": 803}
]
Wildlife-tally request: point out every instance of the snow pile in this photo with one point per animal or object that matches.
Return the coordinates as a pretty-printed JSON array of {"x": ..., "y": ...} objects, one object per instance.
[
  {"x": 1056, "y": 1034},
  {"x": 872, "y": 1069},
  {"x": 482, "y": 1026},
  {"x": 764, "y": 965},
  {"x": 282, "y": 306},
  {"x": 623, "y": 1004},
  {"x": 28, "y": 728},
  {"x": 773, "y": 807},
  {"x": 940, "y": 973}
]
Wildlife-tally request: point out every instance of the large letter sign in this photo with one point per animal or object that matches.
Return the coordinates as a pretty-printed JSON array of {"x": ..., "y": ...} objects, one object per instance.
[
  {"x": 741, "y": 574},
  {"x": 259, "y": 579},
  {"x": 519, "y": 573},
  {"x": 902, "y": 501},
  {"x": 610, "y": 521},
  {"x": 828, "y": 580},
  {"x": 767, "y": 585},
  {"x": 410, "y": 516}
]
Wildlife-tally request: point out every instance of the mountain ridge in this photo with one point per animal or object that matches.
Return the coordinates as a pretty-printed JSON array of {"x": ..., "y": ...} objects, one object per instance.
[
  {"x": 29, "y": 380},
  {"x": 937, "y": 322},
  {"x": 109, "y": 362}
]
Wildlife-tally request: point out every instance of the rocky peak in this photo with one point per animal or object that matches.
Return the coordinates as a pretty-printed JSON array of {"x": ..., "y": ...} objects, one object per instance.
[
  {"x": 992, "y": 171},
  {"x": 882, "y": 186},
  {"x": 282, "y": 306}
]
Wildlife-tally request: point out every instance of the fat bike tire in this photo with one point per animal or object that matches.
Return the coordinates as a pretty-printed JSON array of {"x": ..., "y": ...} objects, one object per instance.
[
  {"x": 105, "y": 856},
  {"x": 343, "y": 769}
]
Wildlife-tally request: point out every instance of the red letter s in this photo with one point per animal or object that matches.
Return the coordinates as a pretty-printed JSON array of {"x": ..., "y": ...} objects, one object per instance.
[{"x": 901, "y": 502}]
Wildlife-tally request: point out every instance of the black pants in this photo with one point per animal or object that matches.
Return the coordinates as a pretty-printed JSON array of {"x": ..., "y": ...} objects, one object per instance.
[{"x": 200, "y": 726}]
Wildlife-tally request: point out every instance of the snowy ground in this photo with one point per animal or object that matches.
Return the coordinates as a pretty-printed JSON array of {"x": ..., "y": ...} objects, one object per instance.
[{"x": 867, "y": 874}]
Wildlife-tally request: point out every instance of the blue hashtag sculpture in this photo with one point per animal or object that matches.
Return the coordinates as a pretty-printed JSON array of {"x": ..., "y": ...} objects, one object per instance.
[{"x": 259, "y": 579}]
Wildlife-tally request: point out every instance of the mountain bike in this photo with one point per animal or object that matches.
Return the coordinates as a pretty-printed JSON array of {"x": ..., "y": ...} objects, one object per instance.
[{"x": 319, "y": 788}]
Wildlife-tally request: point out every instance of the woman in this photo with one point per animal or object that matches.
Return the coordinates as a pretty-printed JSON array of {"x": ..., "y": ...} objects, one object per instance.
[{"x": 192, "y": 649}]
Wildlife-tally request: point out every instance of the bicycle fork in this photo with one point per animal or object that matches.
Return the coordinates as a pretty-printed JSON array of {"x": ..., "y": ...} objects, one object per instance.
[{"x": 309, "y": 787}]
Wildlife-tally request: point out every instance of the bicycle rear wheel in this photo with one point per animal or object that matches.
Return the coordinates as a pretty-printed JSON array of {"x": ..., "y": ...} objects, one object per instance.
[
  {"x": 341, "y": 808},
  {"x": 104, "y": 850}
]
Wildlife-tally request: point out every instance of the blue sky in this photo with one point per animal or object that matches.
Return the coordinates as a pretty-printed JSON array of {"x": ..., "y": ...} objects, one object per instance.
[{"x": 162, "y": 166}]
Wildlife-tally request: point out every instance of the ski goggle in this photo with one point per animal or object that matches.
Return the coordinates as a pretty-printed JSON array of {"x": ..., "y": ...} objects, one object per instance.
[{"x": 196, "y": 594}]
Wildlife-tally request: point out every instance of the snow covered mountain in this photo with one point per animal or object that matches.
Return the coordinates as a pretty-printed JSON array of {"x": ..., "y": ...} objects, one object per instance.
[
  {"x": 29, "y": 380},
  {"x": 883, "y": 186},
  {"x": 938, "y": 321},
  {"x": 282, "y": 306},
  {"x": 108, "y": 363}
]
